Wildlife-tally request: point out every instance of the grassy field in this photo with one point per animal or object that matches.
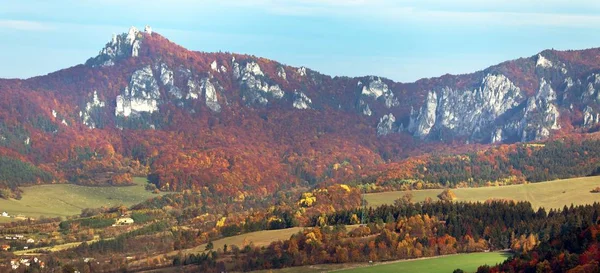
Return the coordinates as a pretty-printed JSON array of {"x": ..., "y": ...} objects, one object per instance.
[
  {"x": 467, "y": 262},
  {"x": 259, "y": 238},
  {"x": 35, "y": 251},
  {"x": 553, "y": 194},
  {"x": 318, "y": 268},
  {"x": 69, "y": 199},
  {"x": 445, "y": 264}
]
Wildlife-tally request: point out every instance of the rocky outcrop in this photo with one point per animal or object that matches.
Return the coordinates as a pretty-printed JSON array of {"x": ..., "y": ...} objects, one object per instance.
[
  {"x": 497, "y": 136},
  {"x": 301, "y": 101},
  {"x": 544, "y": 63},
  {"x": 539, "y": 117},
  {"x": 466, "y": 112},
  {"x": 121, "y": 46},
  {"x": 254, "y": 85},
  {"x": 590, "y": 117},
  {"x": 376, "y": 88},
  {"x": 140, "y": 96},
  {"x": 375, "y": 91},
  {"x": 422, "y": 122},
  {"x": 204, "y": 89},
  {"x": 302, "y": 71},
  {"x": 90, "y": 115},
  {"x": 148, "y": 29},
  {"x": 473, "y": 113},
  {"x": 281, "y": 73},
  {"x": 168, "y": 81},
  {"x": 387, "y": 125}
]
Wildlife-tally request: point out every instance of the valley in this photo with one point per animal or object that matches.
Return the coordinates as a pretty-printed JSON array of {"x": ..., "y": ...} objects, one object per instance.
[{"x": 252, "y": 164}]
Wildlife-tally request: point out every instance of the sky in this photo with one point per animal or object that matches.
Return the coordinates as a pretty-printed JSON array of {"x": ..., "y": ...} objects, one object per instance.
[{"x": 402, "y": 40}]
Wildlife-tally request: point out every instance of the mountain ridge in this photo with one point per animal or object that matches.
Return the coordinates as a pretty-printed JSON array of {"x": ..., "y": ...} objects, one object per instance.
[{"x": 237, "y": 124}]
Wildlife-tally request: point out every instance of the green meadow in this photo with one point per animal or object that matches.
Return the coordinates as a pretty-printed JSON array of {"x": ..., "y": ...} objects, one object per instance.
[{"x": 67, "y": 199}]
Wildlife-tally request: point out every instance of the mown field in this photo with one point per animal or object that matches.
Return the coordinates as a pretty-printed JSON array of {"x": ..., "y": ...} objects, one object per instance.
[
  {"x": 467, "y": 262},
  {"x": 552, "y": 194},
  {"x": 69, "y": 199}
]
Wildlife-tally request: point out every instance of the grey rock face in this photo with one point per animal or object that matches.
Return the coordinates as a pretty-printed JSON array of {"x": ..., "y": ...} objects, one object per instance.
[
  {"x": 541, "y": 114},
  {"x": 590, "y": 117},
  {"x": 121, "y": 46},
  {"x": 301, "y": 101},
  {"x": 386, "y": 125},
  {"x": 254, "y": 85},
  {"x": 141, "y": 95},
  {"x": 205, "y": 88},
  {"x": 466, "y": 112},
  {"x": 497, "y": 136},
  {"x": 281, "y": 73},
  {"x": 92, "y": 107},
  {"x": 168, "y": 81},
  {"x": 377, "y": 90}
]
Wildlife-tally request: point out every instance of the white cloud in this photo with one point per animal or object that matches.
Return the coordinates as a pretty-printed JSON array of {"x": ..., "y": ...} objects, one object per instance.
[{"x": 22, "y": 25}]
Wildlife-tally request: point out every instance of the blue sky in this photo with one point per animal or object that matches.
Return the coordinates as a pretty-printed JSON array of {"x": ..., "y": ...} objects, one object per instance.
[{"x": 401, "y": 40}]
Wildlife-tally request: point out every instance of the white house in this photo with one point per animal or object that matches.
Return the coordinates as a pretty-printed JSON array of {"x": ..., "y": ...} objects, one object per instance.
[
  {"x": 124, "y": 221},
  {"x": 5, "y": 214}
]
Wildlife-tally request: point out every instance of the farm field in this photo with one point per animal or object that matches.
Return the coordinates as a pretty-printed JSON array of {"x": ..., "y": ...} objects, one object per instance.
[
  {"x": 552, "y": 194},
  {"x": 318, "y": 268},
  {"x": 258, "y": 238},
  {"x": 444, "y": 264},
  {"x": 35, "y": 251},
  {"x": 467, "y": 262},
  {"x": 68, "y": 199}
]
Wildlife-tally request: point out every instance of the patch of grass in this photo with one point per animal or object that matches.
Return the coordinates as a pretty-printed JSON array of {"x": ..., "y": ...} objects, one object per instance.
[
  {"x": 553, "y": 194},
  {"x": 68, "y": 199},
  {"x": 467, "y": 262}
]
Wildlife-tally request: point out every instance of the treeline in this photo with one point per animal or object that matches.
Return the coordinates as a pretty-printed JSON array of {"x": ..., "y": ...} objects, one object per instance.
[
  {"x": 575, "y": 251},
  {"x": 14, "y": 173},
  {"x": 420, "y": 230},
  {"x": 523, "y": 162},
  {"x": 87, "y": 222},
  {"x": 122, "y": 243}
]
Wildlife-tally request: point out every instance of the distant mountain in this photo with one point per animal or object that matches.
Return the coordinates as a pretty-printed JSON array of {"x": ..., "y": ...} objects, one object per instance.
[{"x": 242, "y": 125}]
